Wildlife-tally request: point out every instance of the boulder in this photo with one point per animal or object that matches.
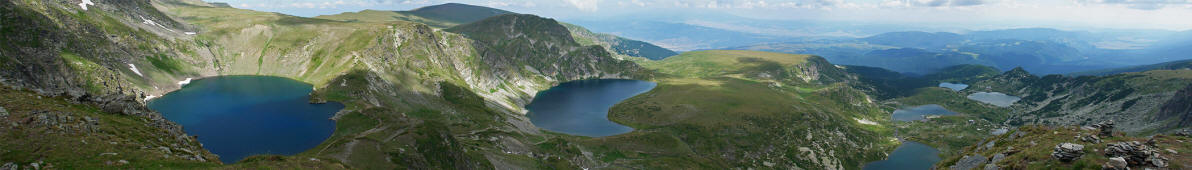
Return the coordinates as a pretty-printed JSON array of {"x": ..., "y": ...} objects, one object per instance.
[
  {"x": 3, "y": 112},
  {"x": 969, "y": 162},
  {"x": 1116, "y": 163},
  {"x": 1066, "y": 152},
  {"x": 997, "y": 158}
]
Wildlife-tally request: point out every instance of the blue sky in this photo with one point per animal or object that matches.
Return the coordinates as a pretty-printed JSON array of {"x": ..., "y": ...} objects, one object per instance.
[{"x": 1120, "y": 14}]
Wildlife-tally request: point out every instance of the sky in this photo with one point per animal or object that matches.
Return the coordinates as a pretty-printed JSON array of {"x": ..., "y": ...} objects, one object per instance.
[{"x": 1108, "y": 14}]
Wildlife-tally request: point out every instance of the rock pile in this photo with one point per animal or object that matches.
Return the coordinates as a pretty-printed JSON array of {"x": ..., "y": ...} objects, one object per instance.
[
  {"x": 1066, "y": 152},
  {"x": 1106, "y": 128},
  {"x": 1136, "y": 154}
]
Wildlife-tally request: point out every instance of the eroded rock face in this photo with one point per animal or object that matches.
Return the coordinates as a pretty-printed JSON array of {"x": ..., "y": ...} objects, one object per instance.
[
  {"x": 1066, "y": 152},
  {"x": 1136, "y": 154}
]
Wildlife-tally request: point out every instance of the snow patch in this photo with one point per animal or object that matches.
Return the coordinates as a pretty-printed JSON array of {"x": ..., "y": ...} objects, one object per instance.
[
  {"x": 134, "y": 70},
  {"x": 85, "y": 3},
  {"x": 184, "y": 82},
  {"x": 190, "y": 33},
  {"x": 150, "y": 97},
  {"x": 865, "y": 121}
]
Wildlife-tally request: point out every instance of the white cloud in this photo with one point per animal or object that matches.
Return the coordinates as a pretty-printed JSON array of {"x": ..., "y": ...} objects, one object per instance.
[
  {"x": 585, "y": 5},
  {"x": 1141, "y": 4}
]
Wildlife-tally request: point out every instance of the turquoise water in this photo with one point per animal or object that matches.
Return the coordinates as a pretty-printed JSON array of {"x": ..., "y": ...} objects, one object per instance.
[
  {"x": 918, "y": 112},
  {"x": 909, "y": 156},
  {"x": 994, "y": 98},
  {"x": 581, "y": 107},
  {"x": 239, "y": 116},
  {"x": 954, "y": 86}
]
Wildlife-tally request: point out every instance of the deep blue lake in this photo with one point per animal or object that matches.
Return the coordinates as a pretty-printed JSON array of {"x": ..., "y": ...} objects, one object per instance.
[
  {"x": 910, "y": 156},
  {"x": 581, "y": 107},
  {"x": 239, "y": 116},
  {"x": 918, "y": 112}
]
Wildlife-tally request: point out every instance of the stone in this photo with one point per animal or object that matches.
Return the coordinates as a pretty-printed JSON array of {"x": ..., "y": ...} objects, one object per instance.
[
  {"x": 3, "y": 112},
  {"x": 1136, "y": 154},
  {"x": 1090, "y": 139},
  {"x": 1106, "y": 128},
  {"x": 122, "y": 162},
  {"x": 1184, "y": 133},
  {"x": 9, "y": 166},
  {"x": 1116, "y": 163},
  {"x": 969, "y": 162},
  {"x": 997, "y": 158},
  {"x": 991, "y": 167},
  {"x": 1066, "y": 152}
]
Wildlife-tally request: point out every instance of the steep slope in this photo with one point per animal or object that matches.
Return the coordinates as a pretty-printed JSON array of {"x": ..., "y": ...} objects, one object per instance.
[
  {"x": 454, "y": 14},
  {"x": 1134, "y": 100},
  {"x": 425, "y": 95},
  {"x": 719, "y": 109},
  {"x": 619, "y": 45}
]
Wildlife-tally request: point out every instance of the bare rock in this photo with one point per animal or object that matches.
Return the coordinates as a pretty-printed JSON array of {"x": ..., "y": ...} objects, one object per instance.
[
  {"x": 1136, "y": 154},
  {"x": 969, "y": 162},
  {"x": 1116, "y": 163},
  {"x": 1105, "y": 127},
  {"x": 1066, "y": 152},
  {"x": 991, "y": 167},
  {"x": 1090, "y": 139}
]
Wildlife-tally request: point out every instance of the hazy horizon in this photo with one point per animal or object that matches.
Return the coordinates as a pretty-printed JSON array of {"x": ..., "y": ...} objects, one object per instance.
[{"x": 944, "y": 14}]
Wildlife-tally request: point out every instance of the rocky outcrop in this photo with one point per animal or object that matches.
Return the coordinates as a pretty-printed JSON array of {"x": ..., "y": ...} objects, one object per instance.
[
  {"x": 1066, "y": 152},
  {"x": 1116, "y": 163}
]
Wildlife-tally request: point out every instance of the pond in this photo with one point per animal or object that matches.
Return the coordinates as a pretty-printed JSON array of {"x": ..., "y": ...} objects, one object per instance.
[
  {"x": 954, "y": 86},
  {"x": 909, "y": 155},
  {"x": 239, "y": 116},
  {"x": 994, "y": 98},
  {"x": 581, "y": 107},
  {"x": 919, "y": 112}
]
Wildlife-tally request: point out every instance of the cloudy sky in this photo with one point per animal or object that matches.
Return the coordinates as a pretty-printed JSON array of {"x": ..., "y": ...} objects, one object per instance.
[{"x": 1122, "y": 14}]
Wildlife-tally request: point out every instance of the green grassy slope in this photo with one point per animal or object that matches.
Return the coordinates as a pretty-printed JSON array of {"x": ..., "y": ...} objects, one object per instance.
[{"x": 718, "y": 117}]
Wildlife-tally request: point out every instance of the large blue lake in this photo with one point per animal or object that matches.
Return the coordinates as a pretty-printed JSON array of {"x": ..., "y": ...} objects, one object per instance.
[
  {"x": 581, "y": 107},
  {"x": 239, "y": 116},
  {"x": 910, "y": 156},
  {"x": 920, "y": 112}
]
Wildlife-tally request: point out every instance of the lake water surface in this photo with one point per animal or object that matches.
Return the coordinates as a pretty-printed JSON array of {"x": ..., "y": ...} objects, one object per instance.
[
  {"x": 909, "y": 156},
  {"x": 917, "y": 112},
  {"x": 581, "y": 107},
  {"x": 954, "y": 86},
  {"x": 239, "y": 116},
  {"x": 994, "y": 98}
]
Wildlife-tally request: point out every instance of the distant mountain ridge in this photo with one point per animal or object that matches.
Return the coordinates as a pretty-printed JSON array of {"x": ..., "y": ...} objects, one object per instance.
[{"x": 454, "y": 14}]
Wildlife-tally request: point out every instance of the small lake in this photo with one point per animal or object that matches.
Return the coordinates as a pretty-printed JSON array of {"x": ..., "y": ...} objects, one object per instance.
[
  {"x": 954, "y": 86},
  {"x": 918, "y": 112},
  {"x": 909, "y": 155},
  {"x": 581, "y": 107},
  {"x": 994, "y": 98},
  {"x": 239, "y": 116}
]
